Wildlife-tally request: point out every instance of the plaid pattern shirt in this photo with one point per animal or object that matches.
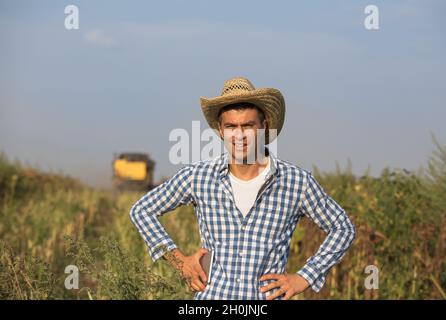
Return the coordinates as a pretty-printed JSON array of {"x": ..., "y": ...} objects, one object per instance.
[{"x": 245, "y": 248}]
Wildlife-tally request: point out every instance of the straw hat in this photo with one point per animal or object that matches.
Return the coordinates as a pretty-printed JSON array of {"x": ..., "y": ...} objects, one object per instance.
[{"x": 240, "y": 89}]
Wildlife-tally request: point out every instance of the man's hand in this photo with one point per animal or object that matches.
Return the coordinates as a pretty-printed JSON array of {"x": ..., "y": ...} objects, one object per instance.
[
  {"x": 189, "y": 268},
  {"x": 288, "y": 284}
]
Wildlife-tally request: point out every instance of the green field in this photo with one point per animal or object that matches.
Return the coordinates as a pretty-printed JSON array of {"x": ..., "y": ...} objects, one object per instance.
[{"x": 49, "y": 221}]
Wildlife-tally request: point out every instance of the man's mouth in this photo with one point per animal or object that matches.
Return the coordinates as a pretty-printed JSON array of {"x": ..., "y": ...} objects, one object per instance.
[{"x": 240, "y": 145}]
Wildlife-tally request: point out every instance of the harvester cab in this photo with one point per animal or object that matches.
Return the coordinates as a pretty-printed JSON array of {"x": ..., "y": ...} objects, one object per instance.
[{"x": 133, "y": 171}]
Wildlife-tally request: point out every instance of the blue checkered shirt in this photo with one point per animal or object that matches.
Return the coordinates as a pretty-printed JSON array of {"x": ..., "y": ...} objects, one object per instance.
[{"x": 246, "y": 247}]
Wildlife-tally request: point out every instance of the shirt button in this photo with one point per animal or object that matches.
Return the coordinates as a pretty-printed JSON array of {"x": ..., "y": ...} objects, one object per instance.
[
  {"x": 241, "y": 253},
  {"x": 243, "y": 227},
  {"x": 238, "y": 279}
]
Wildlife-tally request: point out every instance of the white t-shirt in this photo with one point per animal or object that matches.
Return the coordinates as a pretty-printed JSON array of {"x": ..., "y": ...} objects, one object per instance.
[{"x": 245, "y": 191}]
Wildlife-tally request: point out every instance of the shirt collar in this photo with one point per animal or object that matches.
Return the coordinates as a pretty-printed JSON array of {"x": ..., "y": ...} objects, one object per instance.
[{"x": 223, "y": 168}]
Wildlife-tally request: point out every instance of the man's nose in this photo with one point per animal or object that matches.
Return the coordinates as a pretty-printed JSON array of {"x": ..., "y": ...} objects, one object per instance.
[{"x": 239, "y": 134}]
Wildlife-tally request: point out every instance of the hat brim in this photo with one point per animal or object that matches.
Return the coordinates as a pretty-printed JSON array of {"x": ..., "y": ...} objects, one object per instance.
[{"x": 269, "y": 100}]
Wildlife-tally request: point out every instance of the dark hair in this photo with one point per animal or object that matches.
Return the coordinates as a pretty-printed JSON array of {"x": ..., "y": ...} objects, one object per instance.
[{"x": 241, "y": 106}]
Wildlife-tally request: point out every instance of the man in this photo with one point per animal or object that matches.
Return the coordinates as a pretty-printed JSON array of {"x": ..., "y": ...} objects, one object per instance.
[{"x": 248, "y": 203}]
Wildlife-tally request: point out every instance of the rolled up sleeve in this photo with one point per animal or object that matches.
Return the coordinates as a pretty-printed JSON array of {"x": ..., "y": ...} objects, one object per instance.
[
  {"x": 169, "y": 195},
  {"x": 333, "y": 220}
]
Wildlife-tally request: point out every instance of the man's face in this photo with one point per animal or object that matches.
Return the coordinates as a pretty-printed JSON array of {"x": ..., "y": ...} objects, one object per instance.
[{"x": 241, "y": 134}]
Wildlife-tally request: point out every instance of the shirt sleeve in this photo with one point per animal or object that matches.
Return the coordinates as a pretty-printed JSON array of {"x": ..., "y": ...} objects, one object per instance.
[
  {"x": 169, "y": 195},
  {"x": 333, "y": 220}
]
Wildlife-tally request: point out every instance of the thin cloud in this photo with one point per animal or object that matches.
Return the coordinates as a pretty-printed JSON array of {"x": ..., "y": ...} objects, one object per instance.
[{"x": 97, "y": 37}]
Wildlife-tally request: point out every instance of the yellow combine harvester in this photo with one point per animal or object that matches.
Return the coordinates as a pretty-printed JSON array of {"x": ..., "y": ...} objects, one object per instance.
[{"x": 133, "y": 171}]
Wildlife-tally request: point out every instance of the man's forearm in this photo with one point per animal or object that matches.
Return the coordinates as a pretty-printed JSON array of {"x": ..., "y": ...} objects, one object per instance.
[
  {"x": 175, "y": 258},
  {"x": 333, "y": 220},
  {"x": 166, "y": 197},
  {"x": 333, "y": 248},
  {"x": 147, "y": 223}
]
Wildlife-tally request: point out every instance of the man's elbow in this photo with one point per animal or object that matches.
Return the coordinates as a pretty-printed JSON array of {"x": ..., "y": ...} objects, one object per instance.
[
  {"x": 134, "y": 213},
  {"x": 352, "y": 235}
]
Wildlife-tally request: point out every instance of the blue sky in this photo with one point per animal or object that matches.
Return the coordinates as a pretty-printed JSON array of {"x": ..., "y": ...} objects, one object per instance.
[{"x": 135, "y": 70}]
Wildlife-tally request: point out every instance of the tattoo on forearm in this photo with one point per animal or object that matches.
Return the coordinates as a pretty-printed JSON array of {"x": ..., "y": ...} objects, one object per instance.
[{"x": 177, "y": 264}]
